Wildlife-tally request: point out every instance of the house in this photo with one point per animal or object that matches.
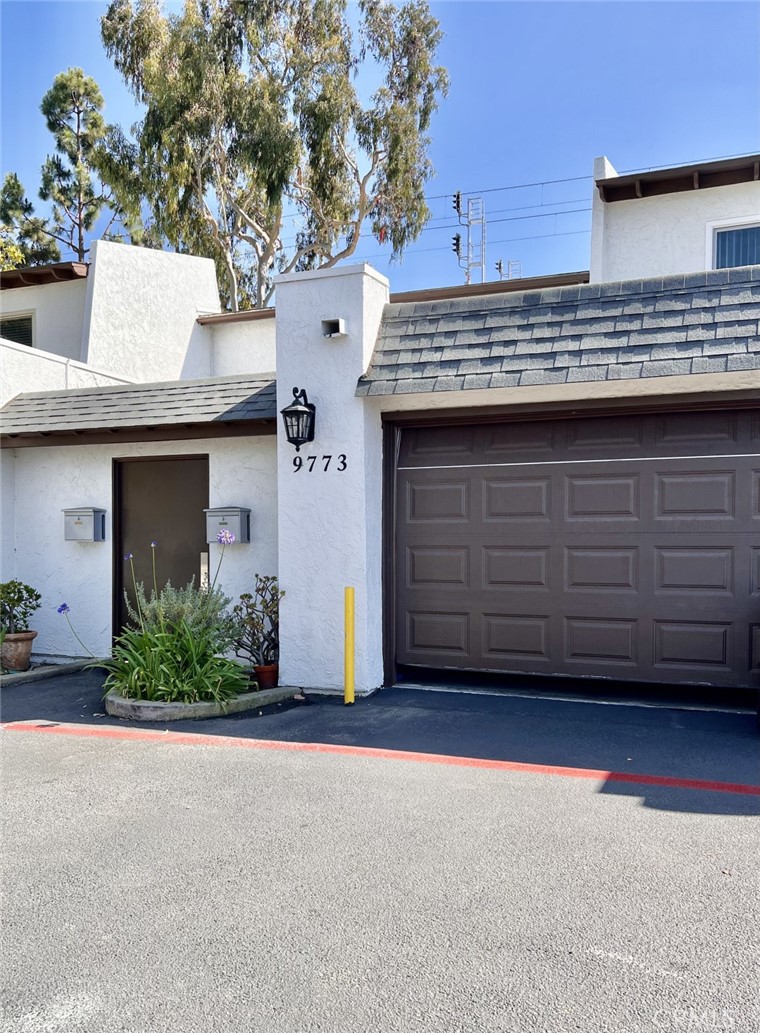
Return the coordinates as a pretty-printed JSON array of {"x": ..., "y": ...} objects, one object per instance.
[{"x": 558, "y": 475}]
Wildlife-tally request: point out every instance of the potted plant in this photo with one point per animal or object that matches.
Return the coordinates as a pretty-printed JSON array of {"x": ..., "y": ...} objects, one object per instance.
[
  {"x": 17, "y": 604},
  {"x": 259, "y": 641}
]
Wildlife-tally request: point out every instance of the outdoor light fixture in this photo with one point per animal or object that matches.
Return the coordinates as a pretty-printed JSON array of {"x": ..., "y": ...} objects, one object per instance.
[{"x": 299, "y": 419}]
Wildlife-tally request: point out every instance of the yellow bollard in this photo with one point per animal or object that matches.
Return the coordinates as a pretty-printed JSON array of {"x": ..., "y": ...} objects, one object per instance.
[{"x": 348, "y": 659}]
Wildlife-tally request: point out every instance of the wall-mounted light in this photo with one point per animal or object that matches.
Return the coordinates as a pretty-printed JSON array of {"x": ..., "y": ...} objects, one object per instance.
[{"x": 299, "y": 419}]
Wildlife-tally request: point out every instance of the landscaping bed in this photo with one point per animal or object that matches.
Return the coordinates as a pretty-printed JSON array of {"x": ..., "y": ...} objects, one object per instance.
[{"x": 152, "y": 710}]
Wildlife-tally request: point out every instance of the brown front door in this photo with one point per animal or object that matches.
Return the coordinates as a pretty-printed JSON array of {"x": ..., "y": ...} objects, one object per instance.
[
  {"x": 619, "y": 547},
  {"x": 162, "y": 501}
]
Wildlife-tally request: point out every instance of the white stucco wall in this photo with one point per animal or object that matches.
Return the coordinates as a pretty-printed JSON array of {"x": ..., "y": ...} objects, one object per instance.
[
  {"x": 57, "y": 311},
  {"x": 242, "y": 472},
  {"x": 330, "y": 522},
  {"x": 244, "y": 347},
  {"x": 665, "y": 234},
  {"x": 142, "y": 310},
  {"x": 29, "y": 369},
  {"x": 7, "y": 514}
]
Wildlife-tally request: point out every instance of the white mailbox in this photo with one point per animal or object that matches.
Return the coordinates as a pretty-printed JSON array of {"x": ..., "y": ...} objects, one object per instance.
[
  {"x": 84, "y": 524},
  {"x": 228, "y": 518}
]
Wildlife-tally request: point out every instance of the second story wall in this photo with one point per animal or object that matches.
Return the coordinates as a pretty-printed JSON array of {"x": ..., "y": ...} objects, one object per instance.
[
  {"x": 57, "y": 311},
  {"x": 32, "y": 369},
  {"x": 141, "y": 318},
  {"x": 664, "y": 234},
  {"x": 243, "y": 345}
]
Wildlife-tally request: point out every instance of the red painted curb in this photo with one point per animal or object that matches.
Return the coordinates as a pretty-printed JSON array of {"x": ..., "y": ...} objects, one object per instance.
[{"x": 193, "y": 739}]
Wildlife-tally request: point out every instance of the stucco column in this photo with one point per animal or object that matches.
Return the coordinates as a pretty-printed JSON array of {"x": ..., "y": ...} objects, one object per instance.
[
  {"x": 329, "y": 510},
  {"x": 603, "y": 169}
]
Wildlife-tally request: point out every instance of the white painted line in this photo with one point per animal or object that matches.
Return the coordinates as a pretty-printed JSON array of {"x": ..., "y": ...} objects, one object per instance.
[
  {"x": 664, "y": 705},
  {"x": 585, "y": 462}
]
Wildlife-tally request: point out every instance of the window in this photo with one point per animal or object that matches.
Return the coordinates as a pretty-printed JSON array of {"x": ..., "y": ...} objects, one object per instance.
[
  {"x": 737, "y": 246},
  {"x": 17, "y": 328}
]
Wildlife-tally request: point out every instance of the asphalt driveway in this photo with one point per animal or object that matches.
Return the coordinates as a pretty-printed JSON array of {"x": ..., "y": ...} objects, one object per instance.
[
  {"x": 163, "y": 886},
  {"x": 696, "y": 744},
  {"x": 197, "y": 882}
]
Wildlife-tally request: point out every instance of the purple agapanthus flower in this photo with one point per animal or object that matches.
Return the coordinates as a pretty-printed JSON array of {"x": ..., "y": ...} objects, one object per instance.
[
  {"x": 128, "y": 556},
  {"x": 225, "y": 537},
  {"x": 64, "y": 608},
  {"x": 153, "y": 545}
]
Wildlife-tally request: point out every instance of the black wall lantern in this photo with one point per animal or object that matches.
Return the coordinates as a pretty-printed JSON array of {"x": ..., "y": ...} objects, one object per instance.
[{"x": 299, "y": 419}]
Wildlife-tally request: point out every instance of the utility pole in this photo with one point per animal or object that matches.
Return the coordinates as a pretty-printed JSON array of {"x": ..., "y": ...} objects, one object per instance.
[
  {"x": 514, "y": 269},
  {"x": 474, "y": 257}
]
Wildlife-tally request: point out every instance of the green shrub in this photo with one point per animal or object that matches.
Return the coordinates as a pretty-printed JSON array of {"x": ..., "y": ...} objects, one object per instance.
[
  {"x": 176, "y": 665},
  {"x": 201, "y": 609},
  {"x": 258, "y": 619},
  {"x": 17, "y": 604}
]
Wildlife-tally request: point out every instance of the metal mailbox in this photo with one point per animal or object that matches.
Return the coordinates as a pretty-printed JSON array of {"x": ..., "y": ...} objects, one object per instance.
[
  {"x": 84, "y": 524},
  {"x": 228, "y": 518}
]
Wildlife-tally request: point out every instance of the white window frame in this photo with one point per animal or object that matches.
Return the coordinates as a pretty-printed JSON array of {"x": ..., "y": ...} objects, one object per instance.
[
  {"x": 712, "y": 229},
  {"x": 26, "y": 314}
]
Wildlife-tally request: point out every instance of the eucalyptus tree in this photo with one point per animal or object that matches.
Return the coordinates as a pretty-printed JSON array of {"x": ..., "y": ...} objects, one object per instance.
[
  {"x": 73, "y": 111},
  {"x": 256, "y": 147}
]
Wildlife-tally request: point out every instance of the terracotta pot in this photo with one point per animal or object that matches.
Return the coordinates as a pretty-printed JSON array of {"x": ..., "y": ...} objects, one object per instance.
[
  {"x": 17, "y": 650},
  {"x": 267, "y": 676}
]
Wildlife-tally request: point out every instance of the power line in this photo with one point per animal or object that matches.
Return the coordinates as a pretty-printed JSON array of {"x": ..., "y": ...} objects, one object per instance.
[
  {"x": 513, "y": 218},
  {"x": 515, "y": 186},
  {"x": 505, "y": 240}
]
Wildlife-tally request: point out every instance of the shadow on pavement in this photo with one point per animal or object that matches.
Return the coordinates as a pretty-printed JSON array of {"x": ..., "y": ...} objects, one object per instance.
[{"x": 704, "y": 745}]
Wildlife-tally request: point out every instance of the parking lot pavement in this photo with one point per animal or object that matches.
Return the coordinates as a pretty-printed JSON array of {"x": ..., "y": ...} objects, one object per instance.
[{"x": 157, "y": 885}]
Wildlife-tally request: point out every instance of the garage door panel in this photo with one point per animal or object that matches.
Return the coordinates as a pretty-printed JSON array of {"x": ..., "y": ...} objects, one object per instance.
[
  {"x": 521, "y": 441},
  {"x": 516, "y": 568},
  {"x": 438, "y": 443},
  {"x": 443, "y": 565},
  {"x": 445, "y": 501},
  {"x": 754, "y": 647},
  {"x": 438, "y": 633},
  {"x": 693, "y": 644},
  {"x": 697, "y": 494},
  {"x": 599, "y": 569},
  {"x": 694, "y": 569},
  {"x": 597, "y": 640},
  {"x": 696, "y": 427},
  {"x": 516, "y": 499},
  {"x": 515, "y": 636},
  {"x": 612, "y": 556},
  {"x": 606, "y": 434},
  {"x": 754, "y": 567},
  {"x": 602, "y": 497}
]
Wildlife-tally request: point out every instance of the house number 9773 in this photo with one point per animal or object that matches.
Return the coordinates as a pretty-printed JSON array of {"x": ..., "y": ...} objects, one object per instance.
[{"x": 322, "y": 463}]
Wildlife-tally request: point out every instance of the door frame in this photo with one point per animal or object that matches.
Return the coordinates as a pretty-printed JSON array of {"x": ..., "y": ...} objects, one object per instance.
[{"x": 117, "y": 560}]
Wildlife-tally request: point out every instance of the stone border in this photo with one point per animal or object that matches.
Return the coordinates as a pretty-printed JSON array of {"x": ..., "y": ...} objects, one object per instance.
[
  {"x": 45, "y": 671},
  {"x": 149, "y": 710}
]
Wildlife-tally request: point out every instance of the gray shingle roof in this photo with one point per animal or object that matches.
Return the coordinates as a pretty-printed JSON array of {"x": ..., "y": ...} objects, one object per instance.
[
  {"x": 131, "y": 406},
  {"x": 695, "y": 323}
]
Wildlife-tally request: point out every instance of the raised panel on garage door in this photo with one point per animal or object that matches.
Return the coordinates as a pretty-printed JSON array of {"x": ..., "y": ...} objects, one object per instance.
[{"x": 619, "y": 547}]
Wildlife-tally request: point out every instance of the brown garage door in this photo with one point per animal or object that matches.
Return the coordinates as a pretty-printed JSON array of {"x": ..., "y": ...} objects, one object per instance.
[{"x": 624, "y": 547}]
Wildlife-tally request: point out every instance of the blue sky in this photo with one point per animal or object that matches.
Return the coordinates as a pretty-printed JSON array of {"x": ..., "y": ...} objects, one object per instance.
[{"x": 537, "y": 91}]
